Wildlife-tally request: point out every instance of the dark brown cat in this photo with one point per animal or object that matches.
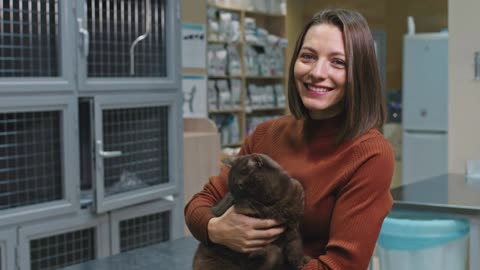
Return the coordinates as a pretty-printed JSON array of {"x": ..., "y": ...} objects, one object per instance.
[{"x": 258, "y": 183}]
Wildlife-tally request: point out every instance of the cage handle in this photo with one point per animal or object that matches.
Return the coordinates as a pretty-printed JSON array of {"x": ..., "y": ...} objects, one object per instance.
[
  {"x": 107, "y": 154},
  {"x": 148, "y": 24},
  {"x": 86, "y": 36}
]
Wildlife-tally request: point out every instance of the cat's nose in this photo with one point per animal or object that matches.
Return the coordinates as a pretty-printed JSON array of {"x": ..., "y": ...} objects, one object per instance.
[
  {"x": 239, "y": 181},
  {"x": 241, "y": 185}
]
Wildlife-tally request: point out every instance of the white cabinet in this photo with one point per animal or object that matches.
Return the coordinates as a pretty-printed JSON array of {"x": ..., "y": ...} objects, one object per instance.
[{"x": 424, "y": 155}]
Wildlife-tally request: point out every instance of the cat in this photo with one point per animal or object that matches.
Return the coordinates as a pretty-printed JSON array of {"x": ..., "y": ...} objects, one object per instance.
[{"x": 259, "y": 184}]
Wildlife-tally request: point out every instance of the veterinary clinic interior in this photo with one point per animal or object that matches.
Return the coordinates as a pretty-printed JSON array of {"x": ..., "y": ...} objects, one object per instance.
[{"x": 113, "y": 113}]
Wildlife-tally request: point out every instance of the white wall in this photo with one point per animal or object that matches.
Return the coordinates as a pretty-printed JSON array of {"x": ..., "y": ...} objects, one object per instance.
[{"x": 464, "y": 92}]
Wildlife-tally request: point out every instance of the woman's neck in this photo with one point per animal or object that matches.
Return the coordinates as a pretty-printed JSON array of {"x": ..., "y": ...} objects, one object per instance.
[
  {"x": 326, "y": 114},
  {"x": 328, "y": 126}
]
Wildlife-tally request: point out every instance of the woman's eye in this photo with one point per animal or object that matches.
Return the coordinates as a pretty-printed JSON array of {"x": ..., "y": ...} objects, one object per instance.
[
  {"x": 339, "y": 63},
  {"x": 306, "y": 56}
]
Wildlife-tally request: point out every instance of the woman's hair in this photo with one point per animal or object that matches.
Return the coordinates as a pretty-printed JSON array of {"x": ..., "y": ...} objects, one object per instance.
[{"x": 364, "y": 104}]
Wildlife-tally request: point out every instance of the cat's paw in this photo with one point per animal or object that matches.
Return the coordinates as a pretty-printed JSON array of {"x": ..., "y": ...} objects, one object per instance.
[
  {"x": 257, "y": 254},
  {"x": 299, "y": 264}
]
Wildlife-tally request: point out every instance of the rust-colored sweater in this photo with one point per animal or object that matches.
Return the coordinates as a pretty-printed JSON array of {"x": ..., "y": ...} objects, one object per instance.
[{"x": 346, "y": 188}]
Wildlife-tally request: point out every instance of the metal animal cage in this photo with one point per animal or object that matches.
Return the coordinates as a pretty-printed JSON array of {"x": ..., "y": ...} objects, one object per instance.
[
  {"x": 123, "y": 44},
  {"x": 127, "y": 38},
  {"x": 37, "y": 158},
  {"x": 30, "y": 158},
  {"x": 29, "y": 32},
  {"x": 137, "y": 137},
  {"x": 141, "y": 225},
  {"x": 126, "y": 148},
  {"x": 141, "y": 135},
  {"x": 53, "y": 252},
  {"x": 144, "y": 231},
  {"x": 55, "y": 244},
  {"x": 89, "y": 95}
]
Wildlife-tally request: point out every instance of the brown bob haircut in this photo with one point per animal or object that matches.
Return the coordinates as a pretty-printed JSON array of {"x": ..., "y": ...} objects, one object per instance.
[{"x": 364, "y": 103}]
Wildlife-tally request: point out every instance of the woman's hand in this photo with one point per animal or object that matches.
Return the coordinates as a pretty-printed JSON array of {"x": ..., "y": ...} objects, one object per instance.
[{"x": 242, "y": 233}]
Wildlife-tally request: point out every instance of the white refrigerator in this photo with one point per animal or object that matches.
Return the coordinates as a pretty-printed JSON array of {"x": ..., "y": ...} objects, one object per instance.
[{"x": 425, "y": 106}]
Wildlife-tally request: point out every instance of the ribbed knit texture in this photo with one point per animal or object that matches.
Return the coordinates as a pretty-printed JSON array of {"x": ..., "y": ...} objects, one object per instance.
[{"x": 346, "y": 188}]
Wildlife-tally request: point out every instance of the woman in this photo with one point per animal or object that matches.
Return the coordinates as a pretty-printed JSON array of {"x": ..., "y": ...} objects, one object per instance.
[{"x": 330, "y": 144}]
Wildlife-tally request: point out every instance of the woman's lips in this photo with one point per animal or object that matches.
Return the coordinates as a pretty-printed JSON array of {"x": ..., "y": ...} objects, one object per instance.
[{"x": 317, "y": 90}]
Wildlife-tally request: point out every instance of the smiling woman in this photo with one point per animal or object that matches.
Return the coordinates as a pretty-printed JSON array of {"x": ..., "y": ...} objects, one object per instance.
[
  {"x": 320, "y": 71},
  {"x": 330, "y": 144},
  {"x": 342, "y": 39}
]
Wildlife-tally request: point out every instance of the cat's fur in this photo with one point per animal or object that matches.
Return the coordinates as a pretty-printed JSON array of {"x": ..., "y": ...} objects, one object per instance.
[{"x": 258, "y": 183}]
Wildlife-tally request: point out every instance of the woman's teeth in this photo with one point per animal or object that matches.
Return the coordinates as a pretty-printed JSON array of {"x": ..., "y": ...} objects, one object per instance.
[{"x": 318, "y": 89}]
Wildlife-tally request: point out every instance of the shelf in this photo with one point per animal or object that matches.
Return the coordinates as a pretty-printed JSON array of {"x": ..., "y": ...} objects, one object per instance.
[
  {"x": 236, "y": 43},
  {"x": 237, "y": 110},
  {"x": 253, "y": 44},
  {"x": 225, "y": 7},
  {"x": 263, "y": 13},
  {"x": 248, "y": 77},
  {"x": 247, "y": 110},
  {"x": 247, "y": 11},
  {"x": 266, "y": 109},
  {"x": 224, "y": 76}
]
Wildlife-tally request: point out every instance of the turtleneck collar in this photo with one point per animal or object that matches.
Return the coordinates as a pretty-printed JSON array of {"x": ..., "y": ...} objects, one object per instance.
[{"x": 329, "y": 127}]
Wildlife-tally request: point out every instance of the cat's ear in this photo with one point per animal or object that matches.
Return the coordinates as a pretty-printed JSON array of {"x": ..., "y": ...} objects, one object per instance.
[
  {"x": 228, "y": 161},
  {"x": 255, "y": 161}
]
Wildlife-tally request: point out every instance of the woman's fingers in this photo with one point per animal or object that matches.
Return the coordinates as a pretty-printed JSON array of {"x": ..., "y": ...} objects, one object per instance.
[
  {"x": 243, "y": 233},
  {"x": 250, "y": 250},
  {"x": 264, "y": 223},
  {"x": 265, "y": 229},
  {"x": 266, "y": 234},
  {"x": 256, "y": 223},
  {"x": 254, "y": 245}
]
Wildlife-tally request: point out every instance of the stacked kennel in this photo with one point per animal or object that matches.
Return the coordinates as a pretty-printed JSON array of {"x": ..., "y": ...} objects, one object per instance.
[{"x": 90, "y": 129}]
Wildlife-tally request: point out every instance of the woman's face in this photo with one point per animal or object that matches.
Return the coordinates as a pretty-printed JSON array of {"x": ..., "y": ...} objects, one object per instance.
[{"x": 320, "y": 71}]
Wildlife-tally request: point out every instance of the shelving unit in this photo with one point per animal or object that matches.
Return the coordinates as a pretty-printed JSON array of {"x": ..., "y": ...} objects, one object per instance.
[{"x": 238, "y": 36}]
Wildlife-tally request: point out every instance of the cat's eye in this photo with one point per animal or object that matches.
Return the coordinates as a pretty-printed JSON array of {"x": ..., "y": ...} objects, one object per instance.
[{"x": 244, "y": 170}]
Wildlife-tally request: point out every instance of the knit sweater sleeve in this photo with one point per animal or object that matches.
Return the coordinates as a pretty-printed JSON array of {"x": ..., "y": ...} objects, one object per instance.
[
  {"x": 197, "y": 211},
  {"x": 362, "y": 203}
]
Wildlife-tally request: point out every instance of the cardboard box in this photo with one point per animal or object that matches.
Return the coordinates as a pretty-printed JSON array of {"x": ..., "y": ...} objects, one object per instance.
[{"x": 201, "y": 154}]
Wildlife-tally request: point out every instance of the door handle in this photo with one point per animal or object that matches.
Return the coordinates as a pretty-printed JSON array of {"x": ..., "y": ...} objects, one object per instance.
[
  {"x": 107, "y": 154},
  {"x": 86, "y": 36},
  {"x": 148, "y": 24}
]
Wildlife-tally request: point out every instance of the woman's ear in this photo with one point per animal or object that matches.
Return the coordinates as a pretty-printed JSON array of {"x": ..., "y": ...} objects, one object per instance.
[{"x": 228, "y": 161}]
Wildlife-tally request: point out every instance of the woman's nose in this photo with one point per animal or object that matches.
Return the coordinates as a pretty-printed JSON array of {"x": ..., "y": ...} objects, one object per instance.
[{"x": 319, "y": 70}]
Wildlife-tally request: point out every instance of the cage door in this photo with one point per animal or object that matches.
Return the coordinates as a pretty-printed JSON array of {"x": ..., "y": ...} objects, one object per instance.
[
  {"x": 123, "y": 44},
  {"x": 36, "y": 46},
  {"x": 38, "y": 152},
  {"x": 142, "y": 225},
  {"x": 136, "y": 149},
  {"x": 63, "y": 242}
]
